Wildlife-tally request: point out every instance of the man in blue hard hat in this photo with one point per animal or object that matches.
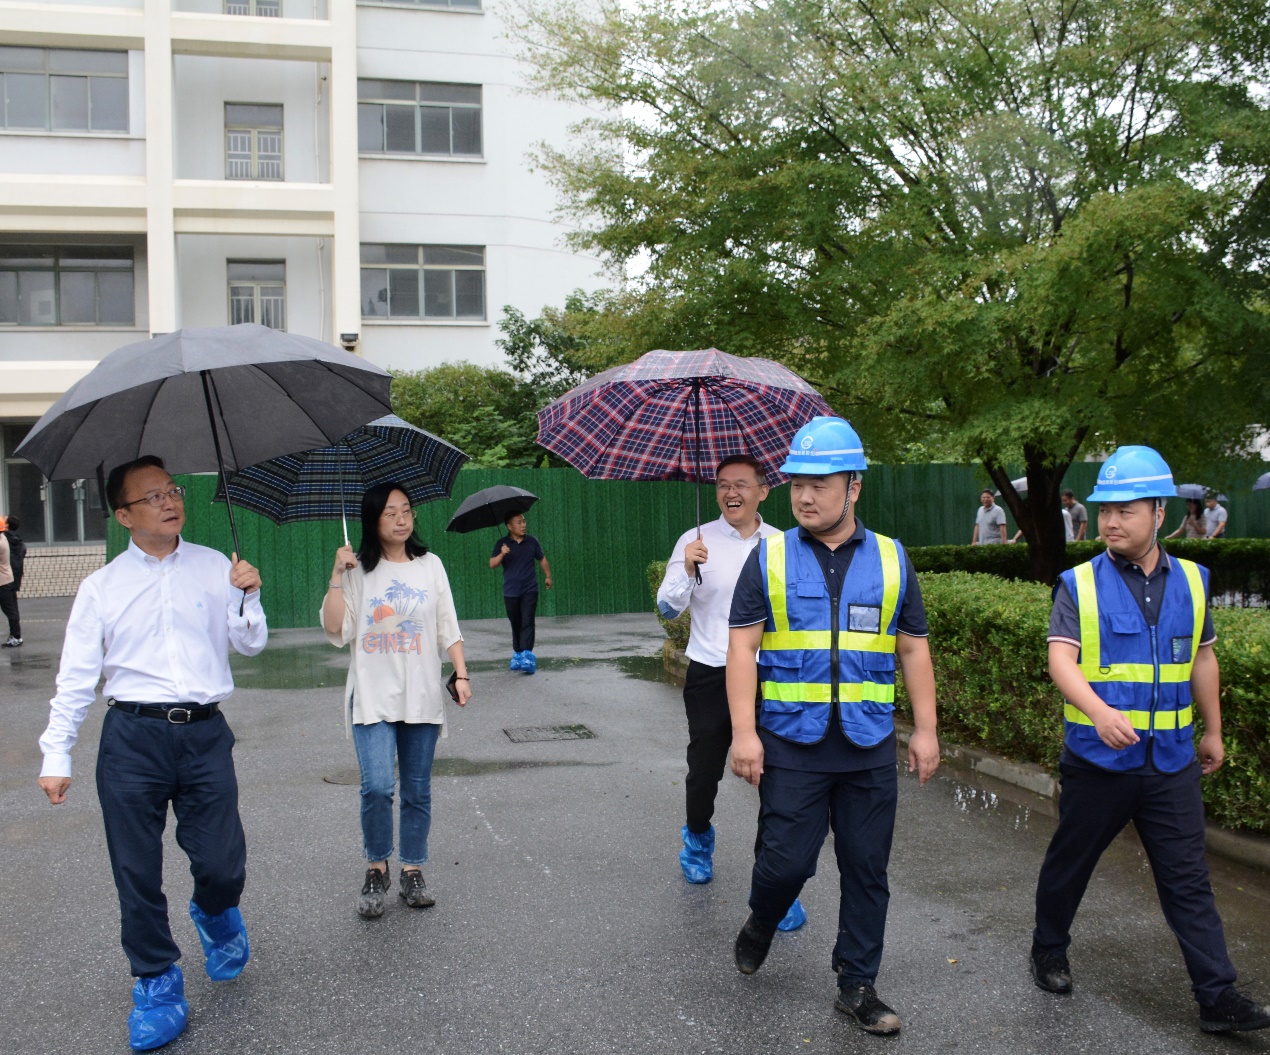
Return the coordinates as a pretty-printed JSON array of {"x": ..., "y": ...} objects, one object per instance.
[
  {"x": 829, "y": 607},
  {"x": 1131, "y": 650}
]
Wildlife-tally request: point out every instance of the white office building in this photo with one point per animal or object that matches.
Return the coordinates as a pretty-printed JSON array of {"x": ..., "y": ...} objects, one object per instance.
[{"x": 352, "y": 170}]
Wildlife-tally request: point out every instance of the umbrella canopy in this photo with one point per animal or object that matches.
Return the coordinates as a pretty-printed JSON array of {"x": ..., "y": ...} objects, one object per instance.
[
  {"x": 319, "y": 484},
  {"x": 268, "y": 392},
  {"x": 489, "y": 508},
  {"x": 1198, "y": 492},
  {"x": 1263, "y": 483},
  {"x": 676, "y": 415},
  {"x": 1019, "y": 485}
]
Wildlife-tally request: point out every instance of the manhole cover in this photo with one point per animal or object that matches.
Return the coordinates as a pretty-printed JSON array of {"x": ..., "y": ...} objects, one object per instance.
[{"x": 529, "y": 733}]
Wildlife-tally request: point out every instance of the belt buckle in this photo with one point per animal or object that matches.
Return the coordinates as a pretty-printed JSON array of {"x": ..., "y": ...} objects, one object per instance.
[{"x": 171, "y": 711}]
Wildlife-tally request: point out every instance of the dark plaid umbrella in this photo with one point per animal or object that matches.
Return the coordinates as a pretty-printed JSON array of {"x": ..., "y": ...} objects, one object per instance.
[
  {"x": 676, "y": 415},
  {"x": 489, "y": 508},
  {"x": 320, "y": 484}
]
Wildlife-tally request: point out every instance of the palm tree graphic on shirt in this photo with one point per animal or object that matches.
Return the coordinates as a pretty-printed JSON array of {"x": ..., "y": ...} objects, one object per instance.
[{"x": 396, "y": 610}]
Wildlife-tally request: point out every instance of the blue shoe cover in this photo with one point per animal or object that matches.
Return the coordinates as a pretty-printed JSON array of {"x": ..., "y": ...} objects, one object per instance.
[
  {"x": 794, "y": 918},
  {"x": 697, "y": 857},
  {"x": 528, "y": 662},
  {"x": 518, "y": 661},
  {"x": 160, "y": 1010},
  {"x": 224, "y": 939}
]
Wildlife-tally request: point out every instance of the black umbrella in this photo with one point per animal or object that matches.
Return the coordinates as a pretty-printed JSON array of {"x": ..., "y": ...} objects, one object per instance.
[
  {"x": 489, "y": 508},
  {"x": 207, "y": 400}
]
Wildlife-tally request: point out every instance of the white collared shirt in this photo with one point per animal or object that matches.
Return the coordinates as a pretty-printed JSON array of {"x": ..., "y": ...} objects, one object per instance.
[
  {"x": 711, "y": 601},
  {"x": 160, "y": 630}
]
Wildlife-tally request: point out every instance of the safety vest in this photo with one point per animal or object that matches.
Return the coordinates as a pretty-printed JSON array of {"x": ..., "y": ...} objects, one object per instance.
[
  {"x": 1143, "y": 671},
  {"x": 795, "y": 660}
]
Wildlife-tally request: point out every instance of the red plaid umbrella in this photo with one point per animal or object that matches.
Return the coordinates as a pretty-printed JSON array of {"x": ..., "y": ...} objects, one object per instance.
[{"x": 676, "y": 415}]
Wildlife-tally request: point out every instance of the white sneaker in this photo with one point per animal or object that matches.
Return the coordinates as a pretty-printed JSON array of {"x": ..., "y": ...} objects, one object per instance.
[{"x": 13, "y": 642}]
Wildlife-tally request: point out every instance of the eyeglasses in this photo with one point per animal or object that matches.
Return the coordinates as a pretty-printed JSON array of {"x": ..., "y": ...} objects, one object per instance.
[
  {"x": 723, "y": 486},
  {"x": 409, "y": 514},
  {"x": 177, "y": 494}
]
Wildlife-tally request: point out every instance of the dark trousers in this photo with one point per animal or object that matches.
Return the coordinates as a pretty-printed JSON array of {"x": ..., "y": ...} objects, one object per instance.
[
  {"x": 520, "y": 613},
  {"x": 709, "y": 737},
  {"x": 796, "y": 810},
  {"x": 142, "y": 765},
  {"x": 9, "y": 606},
  {"x": 1168, "y": 815}
]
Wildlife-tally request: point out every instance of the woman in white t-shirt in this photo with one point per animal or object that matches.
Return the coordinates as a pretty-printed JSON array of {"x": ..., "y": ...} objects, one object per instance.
[{"x": 391, "y": 601}]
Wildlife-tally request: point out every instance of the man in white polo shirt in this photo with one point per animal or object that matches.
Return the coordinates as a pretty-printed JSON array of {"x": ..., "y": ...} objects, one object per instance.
[{"x": 718, "y": 554}]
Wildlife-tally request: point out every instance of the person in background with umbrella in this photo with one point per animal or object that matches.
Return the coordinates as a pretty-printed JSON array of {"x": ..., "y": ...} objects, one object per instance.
[
  {"x": 719, "y": 549},
  {"x": 159, "y": 621},
  {"x": 1193, "y": 524},
  {"x": 392, "y": 602},
  {"x": 1215, "y": 517},
  {"x": 516, "y": 553}
]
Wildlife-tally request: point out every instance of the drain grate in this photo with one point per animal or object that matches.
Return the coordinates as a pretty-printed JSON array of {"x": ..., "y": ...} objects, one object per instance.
[{"x": 526, "y": 734}]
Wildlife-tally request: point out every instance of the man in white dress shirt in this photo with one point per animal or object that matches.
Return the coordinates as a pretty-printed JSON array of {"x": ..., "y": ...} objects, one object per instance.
[
  {"x": 158, "y": 621},
  {"x": 718, "y": 554}
]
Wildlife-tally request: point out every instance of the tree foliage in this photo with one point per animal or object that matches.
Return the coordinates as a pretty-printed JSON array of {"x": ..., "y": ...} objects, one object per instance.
[{"x": 1016, "y": 231}]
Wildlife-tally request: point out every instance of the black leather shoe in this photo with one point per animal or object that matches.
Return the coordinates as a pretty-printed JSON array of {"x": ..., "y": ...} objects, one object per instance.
[
  {"x": 1233, "y": 1013},
  {"x": 752, "y": 945},
  {"x": 869, "y": 1013},
  {"x": 1051, "y": 971}
]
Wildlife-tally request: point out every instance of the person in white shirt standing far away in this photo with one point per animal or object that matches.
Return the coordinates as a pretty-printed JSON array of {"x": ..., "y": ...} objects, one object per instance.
[
  {"x": 717, "y": 554},
  {"x": 159, "y": 621}
]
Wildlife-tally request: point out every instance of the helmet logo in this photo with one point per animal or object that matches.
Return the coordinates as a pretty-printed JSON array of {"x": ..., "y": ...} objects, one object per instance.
[
  {"x": 806, "y": 443},
  {"x": 1110, "y": 472}
]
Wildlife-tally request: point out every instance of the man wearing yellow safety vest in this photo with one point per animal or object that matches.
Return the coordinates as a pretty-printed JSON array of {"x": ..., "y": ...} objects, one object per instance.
[
  {"x": 1131, "y": 650},
  {"x": 829, "y": 607}
]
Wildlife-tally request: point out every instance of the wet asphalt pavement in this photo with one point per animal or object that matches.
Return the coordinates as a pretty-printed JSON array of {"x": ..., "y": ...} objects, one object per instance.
[{"x": 562, "y": 922}]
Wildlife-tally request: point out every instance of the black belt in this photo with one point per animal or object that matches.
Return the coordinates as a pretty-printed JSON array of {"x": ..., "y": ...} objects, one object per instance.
[{"x": 175, "y": 714}]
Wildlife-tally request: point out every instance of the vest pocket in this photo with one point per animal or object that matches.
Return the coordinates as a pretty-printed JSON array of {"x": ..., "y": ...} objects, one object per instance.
[
  {"x": 810, "y": 588},
  {"x": 879, "y": 661},
  {"x": 1126, "y": 622}
]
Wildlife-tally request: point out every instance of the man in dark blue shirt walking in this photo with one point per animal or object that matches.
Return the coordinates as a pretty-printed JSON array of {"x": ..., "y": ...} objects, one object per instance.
[{"x": 516, "y": 553}]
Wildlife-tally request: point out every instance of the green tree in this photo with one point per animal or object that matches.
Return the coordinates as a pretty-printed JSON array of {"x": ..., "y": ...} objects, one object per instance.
[
  {"x": 1016, "y": 231},
  {"x": 488, "y": 413}
]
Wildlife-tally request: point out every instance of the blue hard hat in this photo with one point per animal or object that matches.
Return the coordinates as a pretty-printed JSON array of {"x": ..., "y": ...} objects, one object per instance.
[
  {"x": 825, "y": 445},
  {"x": 1132, "y": 473}
]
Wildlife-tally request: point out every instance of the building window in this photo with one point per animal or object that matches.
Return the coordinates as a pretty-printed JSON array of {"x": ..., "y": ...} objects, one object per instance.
[
  {"x": 44, "y": 285},
  {"x": 258, "y": 293},
  {"x": 55, "y": 90},
  {"x": 402, "y": 117},
  {"x": 264, "y": 8},
  {"x": 50, "y": 511},
  {"x": 423, "y": 281},
  {"x": 253, "y": 141}
]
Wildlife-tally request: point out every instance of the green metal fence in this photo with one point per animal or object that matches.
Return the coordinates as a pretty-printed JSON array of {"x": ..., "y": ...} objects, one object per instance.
[{"x": 600, "y": 535}]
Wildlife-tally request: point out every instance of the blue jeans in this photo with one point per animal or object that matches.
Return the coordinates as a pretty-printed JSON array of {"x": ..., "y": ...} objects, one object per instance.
[{"x": 412, "y": 748}]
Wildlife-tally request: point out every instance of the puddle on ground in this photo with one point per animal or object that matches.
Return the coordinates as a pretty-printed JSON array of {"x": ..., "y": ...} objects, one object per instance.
[
  {"x": 972, "y": 799},
  {"x": 291, "y": 667},
  {"x": 465, "y": 767},
  {"x": 318, "y": 666}
]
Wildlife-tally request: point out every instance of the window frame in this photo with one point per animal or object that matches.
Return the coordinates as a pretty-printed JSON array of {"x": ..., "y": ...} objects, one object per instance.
[
  {"x": 254, "y": 131},
  {"x": 422, "y": 268},
  {"x": 256, "y": 285},
  {"x": 418, "y": 105},
  {"x": 55, "y": 268},
  {"x": 48, "y": 72}
]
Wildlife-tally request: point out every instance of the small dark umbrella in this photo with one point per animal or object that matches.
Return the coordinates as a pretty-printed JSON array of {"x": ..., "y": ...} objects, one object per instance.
[
  {"x": 1263, "y": 483},
  {"x": 317, "y": 484},
  {"x": 207, "y": 400},
  {"x": 489, "y": 508},
  {"x": 1197, "y": 492}
]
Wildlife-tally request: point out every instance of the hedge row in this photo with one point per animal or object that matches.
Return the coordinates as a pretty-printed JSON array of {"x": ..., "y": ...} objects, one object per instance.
[
  {"x": 990, "y": 654},
  {"x": 988, "y": 644},
  {"x": 1239, "y": 568}
]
